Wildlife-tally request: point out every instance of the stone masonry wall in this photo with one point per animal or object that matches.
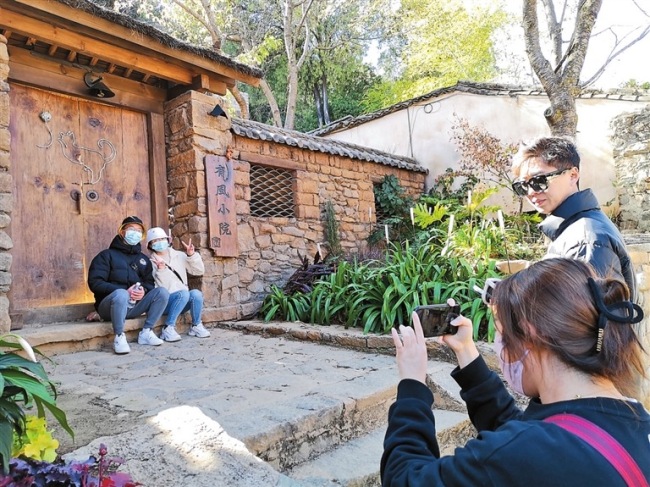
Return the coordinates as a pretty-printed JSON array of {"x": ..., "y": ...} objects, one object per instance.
[
  {"x": 6, "y": 185},
  {"x": 270, "y": 249},
  {"x": 631, "y": 144}
]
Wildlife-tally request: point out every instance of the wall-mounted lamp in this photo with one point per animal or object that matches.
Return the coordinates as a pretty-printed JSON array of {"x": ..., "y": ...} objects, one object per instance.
[{"x": 97, "y": 87}]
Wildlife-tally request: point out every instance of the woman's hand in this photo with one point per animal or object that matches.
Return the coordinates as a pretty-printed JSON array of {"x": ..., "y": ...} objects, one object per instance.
[
  {"x": 411, "y": 351},
  {"x": 160, "y": 263},
  {"x": 462, "y": 342},
  {"x": 189, "y": 247}
]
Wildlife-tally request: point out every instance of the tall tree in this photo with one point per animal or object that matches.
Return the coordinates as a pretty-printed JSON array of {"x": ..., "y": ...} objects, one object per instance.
[
  {"x": 436, "y": 43},
  {"x": 560, "y": 76}
]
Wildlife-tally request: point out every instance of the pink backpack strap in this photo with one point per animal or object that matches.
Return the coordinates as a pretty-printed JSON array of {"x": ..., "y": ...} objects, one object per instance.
[{"x": 605, "y": 444}]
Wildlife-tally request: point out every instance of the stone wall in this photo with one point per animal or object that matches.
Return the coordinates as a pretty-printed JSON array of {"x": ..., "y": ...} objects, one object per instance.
[
  {"x": 270, "y": 249},
  {"x": 5, "y": 188},
  {"x": 631, "y": 145}
]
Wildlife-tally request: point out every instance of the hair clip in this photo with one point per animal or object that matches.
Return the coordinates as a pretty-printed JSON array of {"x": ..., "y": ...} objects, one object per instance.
[{"x": 612, "y": 312}]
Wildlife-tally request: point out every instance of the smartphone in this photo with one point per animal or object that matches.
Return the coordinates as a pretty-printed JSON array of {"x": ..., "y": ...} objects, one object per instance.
[{"x": 436, "y": 319}]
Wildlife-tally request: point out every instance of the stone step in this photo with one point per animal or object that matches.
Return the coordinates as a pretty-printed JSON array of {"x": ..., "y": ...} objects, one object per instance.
[
  {"x": 356, "y": 463},
  {"x": 77, "y": 336}
]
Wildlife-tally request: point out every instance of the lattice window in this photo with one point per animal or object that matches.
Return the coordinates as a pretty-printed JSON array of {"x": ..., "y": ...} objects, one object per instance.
[{"x": 271, "y": 192}]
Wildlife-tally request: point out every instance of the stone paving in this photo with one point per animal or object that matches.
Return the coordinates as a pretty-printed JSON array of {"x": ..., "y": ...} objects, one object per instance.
[{"x": 192, "y": 412}]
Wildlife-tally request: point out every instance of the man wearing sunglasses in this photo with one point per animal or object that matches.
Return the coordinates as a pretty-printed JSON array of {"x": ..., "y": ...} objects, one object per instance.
[{"x": 547, "y": 173}]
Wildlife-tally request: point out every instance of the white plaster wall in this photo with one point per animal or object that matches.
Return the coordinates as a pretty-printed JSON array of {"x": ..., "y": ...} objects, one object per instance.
[{"x": 511, "y": 118}]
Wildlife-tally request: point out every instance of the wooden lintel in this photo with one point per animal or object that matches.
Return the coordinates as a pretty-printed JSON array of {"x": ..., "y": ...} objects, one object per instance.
[
  {"x": 24, "y": 67},
  {"x": 271, "y": 161}
]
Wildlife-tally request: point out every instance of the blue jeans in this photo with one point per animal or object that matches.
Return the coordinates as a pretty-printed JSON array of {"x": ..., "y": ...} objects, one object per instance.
[
  {"x": 114, "y": 307},
  {"x": 182, "y": 301}
]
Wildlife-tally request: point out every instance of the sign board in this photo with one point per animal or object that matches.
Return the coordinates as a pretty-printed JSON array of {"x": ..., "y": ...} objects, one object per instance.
[{"x": 222, "y": 211}]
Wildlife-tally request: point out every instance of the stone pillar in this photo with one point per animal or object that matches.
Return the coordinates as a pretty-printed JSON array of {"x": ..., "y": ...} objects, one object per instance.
[
  {"x": 191, "y": 134},
  {"x": 6, "y": 185}
]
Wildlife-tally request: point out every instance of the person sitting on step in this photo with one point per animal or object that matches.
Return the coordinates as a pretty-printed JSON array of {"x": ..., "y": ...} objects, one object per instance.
[
  {"x": 170, "y": 268},
  {"x": 121, "y": 278}
]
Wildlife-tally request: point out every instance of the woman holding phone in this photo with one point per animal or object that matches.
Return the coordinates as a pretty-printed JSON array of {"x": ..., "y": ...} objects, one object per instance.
[
  {"x": 170, "y": 268},
  {"x": 564, "y": 338}
]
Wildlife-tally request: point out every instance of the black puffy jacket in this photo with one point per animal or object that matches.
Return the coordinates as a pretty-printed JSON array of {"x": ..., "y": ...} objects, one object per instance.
[
  {"x": 580, "y": 230},
  {"x": 119, "y": 267}
]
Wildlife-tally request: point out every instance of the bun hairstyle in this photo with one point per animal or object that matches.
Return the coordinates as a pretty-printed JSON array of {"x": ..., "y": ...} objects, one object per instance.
[{"x": 552, "y": 305}]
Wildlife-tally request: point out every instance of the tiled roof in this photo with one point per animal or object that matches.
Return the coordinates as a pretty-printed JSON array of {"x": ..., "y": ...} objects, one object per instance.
[
  {"x": 260, "y": 131},
  {"x": 152, "y": 31},
  {"x": 486, "y": 89}
]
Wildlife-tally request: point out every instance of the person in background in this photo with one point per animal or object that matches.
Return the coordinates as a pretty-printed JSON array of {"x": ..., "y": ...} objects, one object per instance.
[
  {"x": 121, "y": 278},
  {"x": 563, "y": 338},
  {"x": 170, "y": 268},
  {"x": 547, "y": 173}
]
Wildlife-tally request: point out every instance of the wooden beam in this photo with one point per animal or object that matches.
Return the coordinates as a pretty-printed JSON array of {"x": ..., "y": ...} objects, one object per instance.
[
  {"x": 269, "y": 160},
  {"x": 102, "y": 28},
  {"x": 91, "y": 47},
  {"x": 7, "y": 33},
  {"x": 71, "y": 56},
  {"x": 36, "y": 71},
  {"x": 52, "y": 50}
]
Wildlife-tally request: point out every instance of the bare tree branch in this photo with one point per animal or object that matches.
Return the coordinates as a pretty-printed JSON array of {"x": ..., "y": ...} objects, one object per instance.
[{"x": 613, "y": 55}]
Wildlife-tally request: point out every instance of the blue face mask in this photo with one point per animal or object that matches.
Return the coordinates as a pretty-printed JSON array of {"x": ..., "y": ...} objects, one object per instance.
[
  {"x": 160, "y": 245},
  {"x": 132, "y": 237}
]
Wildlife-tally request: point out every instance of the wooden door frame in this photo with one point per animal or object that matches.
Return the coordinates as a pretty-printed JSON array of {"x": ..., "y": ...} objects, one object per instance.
[{"x": 157, "y": 193}]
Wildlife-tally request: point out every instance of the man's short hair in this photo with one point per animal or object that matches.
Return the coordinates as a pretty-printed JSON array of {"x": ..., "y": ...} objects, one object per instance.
[{"x": 559, "y": 152}]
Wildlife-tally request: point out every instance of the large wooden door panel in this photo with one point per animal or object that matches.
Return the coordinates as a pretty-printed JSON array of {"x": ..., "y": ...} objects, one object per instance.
[{"x": 76, "y": 176}]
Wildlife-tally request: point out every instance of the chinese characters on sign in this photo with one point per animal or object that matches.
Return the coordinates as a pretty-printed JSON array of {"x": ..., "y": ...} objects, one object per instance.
[{"x": 222, "y": 214}]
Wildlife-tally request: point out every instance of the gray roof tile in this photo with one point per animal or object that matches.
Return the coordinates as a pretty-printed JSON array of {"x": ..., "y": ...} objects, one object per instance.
[
  {"x": 486, "y": 89},
  {"x": 260, "y": 131}
]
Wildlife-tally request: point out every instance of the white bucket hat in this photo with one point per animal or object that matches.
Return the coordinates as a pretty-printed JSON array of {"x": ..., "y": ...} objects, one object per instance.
[{"x": 156, "y": 233}]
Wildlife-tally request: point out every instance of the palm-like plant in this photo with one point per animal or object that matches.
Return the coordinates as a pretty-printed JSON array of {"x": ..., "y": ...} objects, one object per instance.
[{"x": 23, "y": 383}]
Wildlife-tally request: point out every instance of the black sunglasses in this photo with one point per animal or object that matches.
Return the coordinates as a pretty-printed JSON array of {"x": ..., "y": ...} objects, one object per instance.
[{"x": 538, "y": 183}]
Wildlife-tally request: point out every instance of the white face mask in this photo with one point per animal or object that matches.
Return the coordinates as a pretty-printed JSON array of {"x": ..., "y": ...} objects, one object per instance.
[
  {"x": 513, "y": 372},
  {"x": 160, "y": 245},
  {"x": 132, "y": 237}
]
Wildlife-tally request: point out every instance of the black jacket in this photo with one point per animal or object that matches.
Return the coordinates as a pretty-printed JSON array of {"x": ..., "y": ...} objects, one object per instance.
[
  {"x": 513, "y": 448},
  {"x": 119, "y": 267},
  {"x": 579, "y": 229}
]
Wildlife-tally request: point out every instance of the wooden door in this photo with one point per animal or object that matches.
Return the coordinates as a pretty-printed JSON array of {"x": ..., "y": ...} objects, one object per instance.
[{"x": 79, "y": 167}]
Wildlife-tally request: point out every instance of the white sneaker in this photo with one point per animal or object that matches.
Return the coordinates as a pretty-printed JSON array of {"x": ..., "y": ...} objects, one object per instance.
[
  {"x": 148, "y": 337},
  {"x": 169, "y": 334},
  {"x": 120, "y": 345},
  {"x": 198, "y": 331}
]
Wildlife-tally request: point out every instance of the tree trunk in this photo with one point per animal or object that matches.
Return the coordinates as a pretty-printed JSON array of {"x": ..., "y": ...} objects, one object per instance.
[
  {"x": 292, "y": 96},
  {"x": 241, "y": 101},
  {"x": 275, "y": 109},
  {"x": 325, "y": 99},
  {"x": 562, "y": 83},
  {"x": 319, "y": 105}
]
